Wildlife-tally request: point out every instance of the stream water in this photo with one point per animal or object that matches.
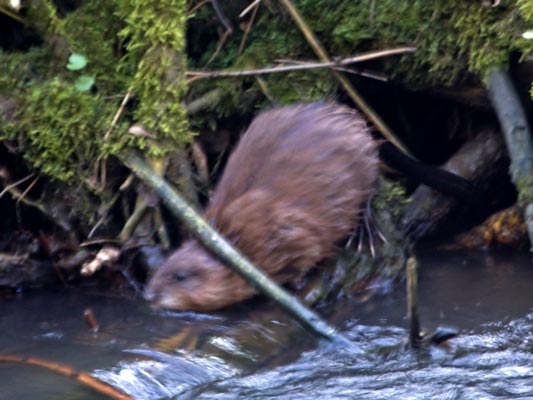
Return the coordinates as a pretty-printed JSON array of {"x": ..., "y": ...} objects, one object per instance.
[{"x": 254, "y": 351}]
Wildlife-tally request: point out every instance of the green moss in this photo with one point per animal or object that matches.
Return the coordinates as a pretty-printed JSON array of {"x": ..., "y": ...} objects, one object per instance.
[
  {"x": 489, "y": 35},
  {"x": 17, "y": 70},
  {"x": 59, "y": 130},
  {"x": 140, "y": 45},
  {"x": 155, "y": 37},
  {"x": 42, "y": 15},
  {"x": 390, "y": 193},
  {"x": 63, "y": 129},
  {"x": 129, "y": 44},
  {"x": 92, "y": 30},
  {"x": 526, "y": 9},
  {"x": 454, "y": 39}
]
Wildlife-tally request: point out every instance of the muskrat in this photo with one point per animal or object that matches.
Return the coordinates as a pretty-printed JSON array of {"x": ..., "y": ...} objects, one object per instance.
[{"x": 291, "y": 190}]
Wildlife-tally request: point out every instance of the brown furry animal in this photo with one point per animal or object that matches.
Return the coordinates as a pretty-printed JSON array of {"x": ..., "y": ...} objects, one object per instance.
[{"x": 291, "y": 190}]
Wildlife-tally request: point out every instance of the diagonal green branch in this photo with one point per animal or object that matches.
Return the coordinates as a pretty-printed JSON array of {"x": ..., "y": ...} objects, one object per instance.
[{"x": 216, "y": 243}]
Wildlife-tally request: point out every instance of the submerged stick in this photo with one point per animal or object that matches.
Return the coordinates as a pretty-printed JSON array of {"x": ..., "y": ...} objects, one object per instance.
[
  {"x": 65, "y": 370},
  {"x": 517, "y": 135},
  {"x": 227, "y": 253},
  {"x": 412, "y": 302}
]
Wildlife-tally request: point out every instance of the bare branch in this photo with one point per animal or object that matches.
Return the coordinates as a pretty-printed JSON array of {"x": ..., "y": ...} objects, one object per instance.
[{"x": 300, "y": 66}]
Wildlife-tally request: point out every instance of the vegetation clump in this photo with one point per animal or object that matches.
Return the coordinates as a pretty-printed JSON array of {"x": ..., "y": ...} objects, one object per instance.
[
  {"x": 139, "y": 46},
  {"x": 69, "y": 118},
  {"x": 455, "y": 41}
]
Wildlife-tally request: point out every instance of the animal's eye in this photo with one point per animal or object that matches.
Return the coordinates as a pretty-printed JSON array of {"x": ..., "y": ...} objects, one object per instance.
[{"x": 180, "y": 277}]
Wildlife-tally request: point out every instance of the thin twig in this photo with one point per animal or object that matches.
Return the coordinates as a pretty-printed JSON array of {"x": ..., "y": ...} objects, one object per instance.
[
  {"x": 222, "y": 18},
  {"x": 247, "y": 9},
  {"x": 200, "y": 161},
  {"x": 15, "y": 184},
  {"x": 248, "y": 27},
  {"x": 103, "y": 164},
  {"x": 17, "y": 194},
  {"x": 99, "y": 241},
  {"x": 227, "y": 25},
  {"x": 105, "y": 212},
  {"x": 162, "y": 233},
  {"x": 118, "y": 114},
  {"x": 141, "y": 209},
  {"x": 365, "y": 73},
  {"x": 127, "y": 183},
  {"x": 220, "y": 43},
  {"x": 30, "y": 186},
  {"x": 11, "y": 14},
  {"x": 196, "y": 7},
  {"x": 264, "y": 89},
  {"x": 300, "y": 66},
  {"x": 21, "y": 198}
]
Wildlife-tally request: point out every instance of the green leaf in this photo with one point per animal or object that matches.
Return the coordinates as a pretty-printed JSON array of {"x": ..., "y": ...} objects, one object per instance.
[
  {"x": 528, "y": 34},
  {"x": 84, "y": 83},
  {"x": 76, "y": 62}
]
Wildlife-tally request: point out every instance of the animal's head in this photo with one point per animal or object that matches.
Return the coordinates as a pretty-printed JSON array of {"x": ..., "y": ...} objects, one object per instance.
[{"x": 194, "y": 279}]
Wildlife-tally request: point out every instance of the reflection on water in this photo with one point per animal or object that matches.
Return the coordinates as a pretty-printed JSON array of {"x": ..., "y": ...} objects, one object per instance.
[
  {"x": 495, "y": 363},
  {"x": 487, "y": 296}
]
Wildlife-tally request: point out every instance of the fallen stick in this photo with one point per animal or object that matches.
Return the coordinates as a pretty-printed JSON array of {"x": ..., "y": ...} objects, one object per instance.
[{"x": 300, "y": 66}]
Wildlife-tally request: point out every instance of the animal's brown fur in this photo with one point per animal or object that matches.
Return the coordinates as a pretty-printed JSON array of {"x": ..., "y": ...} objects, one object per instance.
[{"x": 291, "y": 190}]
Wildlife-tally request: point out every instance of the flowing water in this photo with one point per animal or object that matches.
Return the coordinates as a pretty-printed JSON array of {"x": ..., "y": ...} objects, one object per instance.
[{"x": 255, "y": 351}]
